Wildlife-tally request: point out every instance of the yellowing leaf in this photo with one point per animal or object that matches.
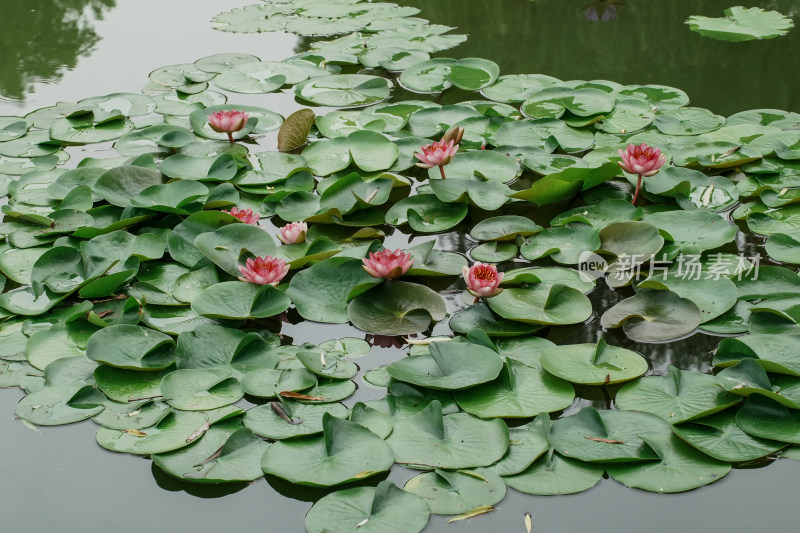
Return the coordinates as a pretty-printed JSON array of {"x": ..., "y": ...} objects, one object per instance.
[{"x": 475, "y": 512}]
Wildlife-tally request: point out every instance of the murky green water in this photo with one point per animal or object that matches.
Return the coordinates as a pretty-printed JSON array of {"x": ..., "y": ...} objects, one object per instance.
[{"x": 60, "y": 480}]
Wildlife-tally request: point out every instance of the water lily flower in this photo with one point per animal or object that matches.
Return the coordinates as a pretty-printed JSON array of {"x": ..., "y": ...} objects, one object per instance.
[
  {"x": 388, "y": 264},
  {"x": 228, "y": 122},
  {"x": 437, "y": 154},
  {"x": 642, "y": 160},
  {"x": 294, "y": 233},
  {"x": 245, "y": 215},
  {"x": 264, "y": 270},
  {"x": 482, "y": 280},
  {"x": 455, "y": 134}
]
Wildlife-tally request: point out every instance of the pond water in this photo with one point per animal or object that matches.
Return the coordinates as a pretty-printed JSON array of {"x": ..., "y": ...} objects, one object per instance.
[{"x": 59, "y": 479}]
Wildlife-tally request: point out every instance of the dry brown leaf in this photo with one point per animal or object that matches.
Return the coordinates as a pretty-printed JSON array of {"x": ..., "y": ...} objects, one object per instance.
[{"x": 475, "y": 512}]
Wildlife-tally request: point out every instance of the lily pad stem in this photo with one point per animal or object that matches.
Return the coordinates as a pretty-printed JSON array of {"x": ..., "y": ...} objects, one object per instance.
[{"x": 638, "y": 186}]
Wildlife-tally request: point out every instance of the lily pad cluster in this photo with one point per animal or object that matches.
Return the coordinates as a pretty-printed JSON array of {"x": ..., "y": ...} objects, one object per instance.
[{"x": 121, "y": 299}]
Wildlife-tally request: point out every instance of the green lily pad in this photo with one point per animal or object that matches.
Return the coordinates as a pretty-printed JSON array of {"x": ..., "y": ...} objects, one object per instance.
[
  {"x": 555, "y": 304},
  {"x": 325, "y": 364},
  {"x": 607, "y": 436},
  {"x": 765, "y": 418},
  {"x": 683, "y": 230},
  {"x": 226, "y": 246},
  {"x": 449, "y": 366},
  {"x": 525, "y": 444},
  {"x": 454, "y": 492},
  {"x": 563, "y": 245},
  {"x": 431, "y": 440},
  {"x": 200, "y": 389},
  {"x": 385, "y": 509},
  {"x": 175, "y": 431},
  {"x": 60, "y": 404},
  {"x": 592, "y": 364},
  {"x": 679, "y": 397},
  {"x": 520, "y": 391},
  {"x": 504, "y": 228},
  {"x": 305, "y": 419},
  {"x": 396, "y": 308},
  {"x": 131, "y": 347},
  {"x": 680, "y": 468},
  {"x": 226, "y": 453},
  {"x": 344, "y": 453},
  {"x": 653, "y": 316},
  {"x": 720, "y": 437},
  {"x": 742, "y": 24},
  {"x": 553, "y": 474},
  {"x": 426, "y": 213},
  {"x": 240, "y": 300},
  {"x": 344, "y": 90},
  {"x": 316, "y": 296},
  {"x": 776, "y": 353}
]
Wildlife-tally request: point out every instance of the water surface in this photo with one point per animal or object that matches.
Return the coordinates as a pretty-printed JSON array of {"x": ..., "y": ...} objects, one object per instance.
[{"x": 59, "y": 479}]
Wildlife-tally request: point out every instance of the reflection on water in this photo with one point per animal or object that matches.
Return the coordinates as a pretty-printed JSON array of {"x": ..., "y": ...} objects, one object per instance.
[
  {"x": 45, "y": 38},
  {"x": 602, "y": 10},
  {"x": 647, "y": 42}
]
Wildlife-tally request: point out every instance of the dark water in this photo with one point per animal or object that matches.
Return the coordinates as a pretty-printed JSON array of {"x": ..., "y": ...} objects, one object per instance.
[
  {"x": 59, "y": 479},
  {"x": 647, "y": 43}
]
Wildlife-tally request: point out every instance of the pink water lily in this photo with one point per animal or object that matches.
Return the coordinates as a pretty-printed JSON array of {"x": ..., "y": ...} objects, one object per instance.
[
  {"x": 437, "y": 154},
  {"x": 228, "y": 122},
  {"x": 482, "y": 279},
  {"x": 245, "y": 215},
  {"x": 642, "y": 160},
  {"x": 293, "y": 233},
  {"x": 388, "y": 264},
  {"x": 264, "y": 270}
]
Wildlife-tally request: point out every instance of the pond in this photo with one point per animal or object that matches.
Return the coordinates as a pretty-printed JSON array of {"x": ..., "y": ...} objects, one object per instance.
[{"x": 64, "y": 51}]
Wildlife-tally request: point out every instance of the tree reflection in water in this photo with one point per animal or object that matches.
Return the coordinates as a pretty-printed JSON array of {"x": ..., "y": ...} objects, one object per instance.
[{"x": 45, "y": 38}]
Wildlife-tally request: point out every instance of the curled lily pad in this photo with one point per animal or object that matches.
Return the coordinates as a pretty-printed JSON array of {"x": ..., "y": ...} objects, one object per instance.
[{"x": 526, "y": 443}]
